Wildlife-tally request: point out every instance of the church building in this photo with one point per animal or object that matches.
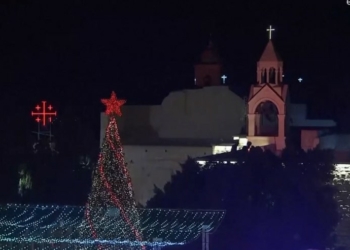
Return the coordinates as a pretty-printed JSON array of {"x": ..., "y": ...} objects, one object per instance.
[{"x": 158, "y": 138}]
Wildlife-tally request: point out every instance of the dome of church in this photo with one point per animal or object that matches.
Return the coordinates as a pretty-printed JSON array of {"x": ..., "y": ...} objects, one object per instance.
[{"x": 210, "y": 55}]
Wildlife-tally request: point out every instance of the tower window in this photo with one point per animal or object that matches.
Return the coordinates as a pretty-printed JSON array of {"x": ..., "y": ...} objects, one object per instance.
[{"x": 272, "y": 75}]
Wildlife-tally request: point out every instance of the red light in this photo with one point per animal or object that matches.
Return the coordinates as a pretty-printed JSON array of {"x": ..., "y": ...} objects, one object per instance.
[
  {"x": 113, "y": 105},
  {"x": 44, "y": 114}
]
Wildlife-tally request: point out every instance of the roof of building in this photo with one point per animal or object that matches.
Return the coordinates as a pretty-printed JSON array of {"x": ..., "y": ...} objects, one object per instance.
[
  {"x": 66, "y": 224},
  {"x": 270, "y": 54},
  {"x": 183, "y": 142},
  {"x": 210, "y": 55}
]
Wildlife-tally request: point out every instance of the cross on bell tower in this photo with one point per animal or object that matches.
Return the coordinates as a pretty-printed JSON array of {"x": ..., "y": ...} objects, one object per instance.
[
  {"x": 270, "y": 65},
  {"x": 268, "y": 101},
  {"x": 270, "y": 29}
]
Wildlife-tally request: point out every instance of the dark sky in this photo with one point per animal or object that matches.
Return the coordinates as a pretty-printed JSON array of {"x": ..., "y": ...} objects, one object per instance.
[{"x": 72, "y": 53}]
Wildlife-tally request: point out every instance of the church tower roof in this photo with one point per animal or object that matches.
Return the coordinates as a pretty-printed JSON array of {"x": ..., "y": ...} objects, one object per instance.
[
  {"x": 208, "y": 71},
  {"x": 210, "y": 55},
  {"x": 270, "y": 65},
  {"x": 270, "y": 54}
]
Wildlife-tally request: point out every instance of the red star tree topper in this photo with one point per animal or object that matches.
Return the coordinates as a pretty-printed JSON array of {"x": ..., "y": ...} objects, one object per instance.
[
  {"x": 111, "y": 192},
  {"x": 113, "y": 105}
]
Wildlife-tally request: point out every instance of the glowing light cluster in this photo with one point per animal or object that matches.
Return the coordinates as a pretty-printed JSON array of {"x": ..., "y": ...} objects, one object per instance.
[
  {"x": 111, "y": 185},
  {"x": 113, "y": 105},
  {"x": 44, "y": 113},
  {"x": 65, "y": 226},
  {"x": 342, "y": 183}
]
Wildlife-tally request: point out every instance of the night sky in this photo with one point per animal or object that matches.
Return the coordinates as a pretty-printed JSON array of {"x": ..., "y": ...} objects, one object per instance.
[{"x": 73, "y": 53}]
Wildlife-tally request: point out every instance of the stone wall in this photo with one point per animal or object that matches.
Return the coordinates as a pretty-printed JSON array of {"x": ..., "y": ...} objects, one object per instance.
[{"x": 151, "y": 166}]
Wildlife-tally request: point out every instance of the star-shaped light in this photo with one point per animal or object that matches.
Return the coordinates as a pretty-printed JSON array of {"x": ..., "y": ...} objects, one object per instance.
[{"x": 113, "y": 105}]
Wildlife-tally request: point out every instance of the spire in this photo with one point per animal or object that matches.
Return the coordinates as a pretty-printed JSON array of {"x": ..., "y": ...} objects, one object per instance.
[
  {"x": 270, "y": 65},
  {"x": 209, "y": 68},
  {"x": 210, "y": 54},
  {"x": 270, "y": 54}
]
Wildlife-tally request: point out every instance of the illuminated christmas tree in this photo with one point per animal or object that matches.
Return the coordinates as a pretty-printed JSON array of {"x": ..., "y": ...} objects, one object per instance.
[{"x": 111, "y": 196}]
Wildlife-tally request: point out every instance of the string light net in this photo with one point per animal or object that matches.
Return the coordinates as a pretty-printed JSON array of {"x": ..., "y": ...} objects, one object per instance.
[
  {"x": 28, "y": 227},
  {"x": 112, "y": 194}
]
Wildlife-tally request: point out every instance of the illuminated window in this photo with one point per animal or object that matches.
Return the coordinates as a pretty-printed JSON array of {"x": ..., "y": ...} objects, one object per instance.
[
  {"x": 242, "y": 142},
  {"x": 221, "y": 149}
]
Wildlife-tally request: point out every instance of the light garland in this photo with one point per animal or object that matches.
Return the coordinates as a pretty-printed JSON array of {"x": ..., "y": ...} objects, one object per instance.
[
  {"x": 342, "y": 183},
  {"x": 65, "y": 226},
  {"x": 111, "y": 185}
]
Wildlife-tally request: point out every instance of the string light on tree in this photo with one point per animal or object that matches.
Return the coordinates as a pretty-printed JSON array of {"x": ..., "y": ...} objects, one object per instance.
[
  {"x": 111, "y": 186},
  {"x": 113, "y": 105}
]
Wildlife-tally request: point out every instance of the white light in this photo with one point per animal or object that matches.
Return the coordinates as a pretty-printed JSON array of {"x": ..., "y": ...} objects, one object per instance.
[
  {"x": 201, "y": 163},
  {"x": 270, "y": 29},
  {"x": 235, "y": 138},
  {"x": 221, "y": 149},
  {"x": 348, "y": 2},
  {"x": 342, "y": 172},
  {"x": 301, "y": 79},
  {"x": 243, "y": 141},
  {"x": 225, "y": 77}
]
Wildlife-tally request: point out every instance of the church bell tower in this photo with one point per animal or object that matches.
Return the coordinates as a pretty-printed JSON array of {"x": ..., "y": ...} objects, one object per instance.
[
  {"x": 208, "y": 70},
  {"x": 267, "y": 101}
]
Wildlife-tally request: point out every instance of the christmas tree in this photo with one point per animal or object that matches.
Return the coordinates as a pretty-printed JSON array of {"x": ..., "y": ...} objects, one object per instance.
[{"x": 111, "y": 197}]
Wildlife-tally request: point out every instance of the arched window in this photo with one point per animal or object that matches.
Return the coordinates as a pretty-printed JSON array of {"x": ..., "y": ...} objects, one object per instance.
[
  {"x": 266, "y": 123},
  {"x": 263, "y": 76},
  {"x": 272, "y": 75}
]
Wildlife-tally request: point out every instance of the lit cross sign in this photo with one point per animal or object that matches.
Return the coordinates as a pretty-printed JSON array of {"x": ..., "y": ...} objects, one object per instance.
[
  {"x": 43, "y": 113},
  {"x": 224, "y": 78},
  {"x": 300, "y": 79},
  {"x": 270, "y": 29}
]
